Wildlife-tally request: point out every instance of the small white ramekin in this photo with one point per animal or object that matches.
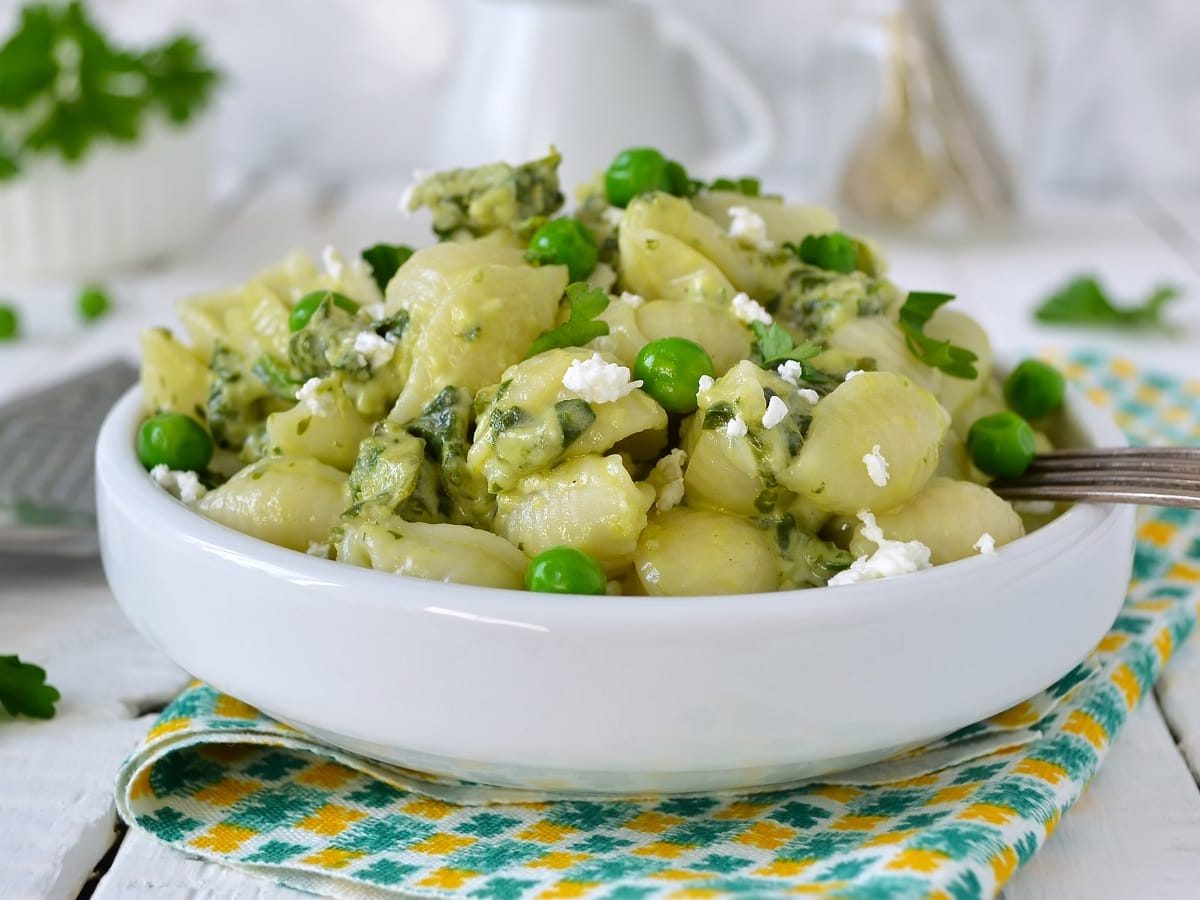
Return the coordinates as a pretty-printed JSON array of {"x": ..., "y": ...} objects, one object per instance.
[
  {"x": 609, "y": 694},
  {"x": 123, "y": 204}
]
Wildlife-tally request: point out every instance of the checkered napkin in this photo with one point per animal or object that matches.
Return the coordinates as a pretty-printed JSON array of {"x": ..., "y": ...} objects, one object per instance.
[{"x": 215, "y": 778}]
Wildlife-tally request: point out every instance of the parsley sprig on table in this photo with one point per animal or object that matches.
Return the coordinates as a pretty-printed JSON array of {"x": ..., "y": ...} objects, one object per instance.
[
  {"x": 917, "y": 310},
  {"x": 586, "y": 303},
  {"x": 1084, "y": 301},
  {"x": 23, "y": 689},
  {"x": 64, "y": 86}
]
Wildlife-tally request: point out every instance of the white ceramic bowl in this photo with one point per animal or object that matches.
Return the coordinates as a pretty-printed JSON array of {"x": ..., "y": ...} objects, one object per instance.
[{"x": 608, "y": 694}]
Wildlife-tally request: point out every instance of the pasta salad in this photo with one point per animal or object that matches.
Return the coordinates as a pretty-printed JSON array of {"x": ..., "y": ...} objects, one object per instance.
[{"x": 680, "y": 388}]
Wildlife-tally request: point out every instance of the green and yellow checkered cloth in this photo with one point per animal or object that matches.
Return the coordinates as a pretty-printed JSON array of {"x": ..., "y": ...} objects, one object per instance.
[{"x": 217, "y": 779}]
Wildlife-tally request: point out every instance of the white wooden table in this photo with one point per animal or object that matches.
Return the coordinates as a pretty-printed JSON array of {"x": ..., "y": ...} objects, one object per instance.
[{"x": 1135, "y": 833}]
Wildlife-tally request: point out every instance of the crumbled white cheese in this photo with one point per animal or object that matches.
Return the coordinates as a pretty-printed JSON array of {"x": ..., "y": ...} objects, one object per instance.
[
  {"x": 791, "y": 372},
  {"x": 1034, "y": 507},
  {"x": 634, "y": 300},
  {"x": 613, "y": 216},
  {"x": 372, "y": 349},
  {"x": 409, "y": 195},
  {"x": 776, "y": 412},
  {"x": 809, "y": 396},
  {"x": 667, "y": 479},
  {"x": 705, "y": 382},
  {"x": 333, "y": 263},
  {"x": 597, "y": 381},
  {"x": 308, "y": 394},
  {"x": 890, "y": 558},
  {"x": 877, "y": 467},
  {"x": 736, "y": 427},
  {"x": 748, "y": 309},
  {"x": 748, "y": 228},
  {"x": 184, "y": 485},
  {"x": 854, "y": 373},
  {"x": 986, "y": 545}
]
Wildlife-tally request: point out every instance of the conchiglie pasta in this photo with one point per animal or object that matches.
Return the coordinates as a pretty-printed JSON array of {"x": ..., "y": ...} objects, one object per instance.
[
  {"x": 589, "y": 502},
  {"x": 473, "y": 307},
  {"x": 686, "y": 552},
  {"x": 327, "y": 427},
  {"x": 173, "y": 377},
  {"x": 715, "y": 329},
  {"x": 530, "y": 420},
  {"x": 439, "y": 552},
  {"x": 875, "y": 409},
  {"x": 625, "y": 337},
  {"x": 948, "y": 517},
  {"x": 784, "y": 221},
  {"x": 288, "y": 501}
]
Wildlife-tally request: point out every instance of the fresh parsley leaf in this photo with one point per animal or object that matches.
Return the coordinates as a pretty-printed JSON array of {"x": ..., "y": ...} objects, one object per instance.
[
  {"x": 276, "y": 376},
  {"x": 834, "y": 252},
  {"x": 916, "y": 312},
  {"x": 180, "y": 77},
  {"x": 1084, "y": 301},
  {"x": 582, "y": 326},
  {"x": 773, "y": 347},
  {"x": 385, "y": 260},
  {"x": 27, "y": 64},
  {"x": 23, "y": 689}
]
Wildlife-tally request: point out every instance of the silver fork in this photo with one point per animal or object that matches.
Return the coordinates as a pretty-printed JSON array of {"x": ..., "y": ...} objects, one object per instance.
[{"x": 1153, "y": 476}]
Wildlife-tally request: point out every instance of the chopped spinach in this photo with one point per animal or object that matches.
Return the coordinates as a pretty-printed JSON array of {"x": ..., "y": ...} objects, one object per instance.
[{"x": 575, "y": 416}]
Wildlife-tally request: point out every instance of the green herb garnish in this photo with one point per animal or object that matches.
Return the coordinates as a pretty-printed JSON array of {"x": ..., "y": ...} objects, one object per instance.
[
  {"x": 384, "y": 260},
  {"x": 93, "y": 303},
  {"x": 582, "y": 326},
  {"x": 916, "y": 312},
  {"x": 773, "y": 346},
  {"x": 64, "y": 86},
  {"x": 23, "y": 689},
  {"x": 1084, "y": 301},
  {"x": 834, "y": 252}
]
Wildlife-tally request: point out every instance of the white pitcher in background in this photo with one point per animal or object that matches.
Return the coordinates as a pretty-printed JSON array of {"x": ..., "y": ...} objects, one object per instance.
[{"x": 593, "y": 77}]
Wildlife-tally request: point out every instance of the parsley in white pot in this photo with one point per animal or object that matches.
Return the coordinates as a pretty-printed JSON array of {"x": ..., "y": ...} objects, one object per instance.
[{"x": 104, "y": 152}]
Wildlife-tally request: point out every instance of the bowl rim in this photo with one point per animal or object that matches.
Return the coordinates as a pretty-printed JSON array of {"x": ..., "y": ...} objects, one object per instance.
[{"x": 120, "y": 473}]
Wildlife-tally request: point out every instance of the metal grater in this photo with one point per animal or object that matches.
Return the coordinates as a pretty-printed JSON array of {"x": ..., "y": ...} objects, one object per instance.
[{"x": 47, "y": 441}]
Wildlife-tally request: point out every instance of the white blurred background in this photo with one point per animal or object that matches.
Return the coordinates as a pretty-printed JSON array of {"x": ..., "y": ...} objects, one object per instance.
[{"x": 347, "y": 88}]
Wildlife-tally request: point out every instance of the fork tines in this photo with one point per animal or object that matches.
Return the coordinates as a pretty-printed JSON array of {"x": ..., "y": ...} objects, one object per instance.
[{"x": 1158, "y": 476}]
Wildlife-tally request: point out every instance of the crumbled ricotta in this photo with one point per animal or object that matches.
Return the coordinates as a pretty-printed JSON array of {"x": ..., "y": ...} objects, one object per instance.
[
  {"x": 748, "y": 309},
  {"x": 613, "y": 216},
  {"x": 184, "y": 485},
  {"x": 667, "y": 479},
  {"x": 1034, "y": 507},
  {"x": 890, "y": 558},
  {"x": 409, "y": 195},
  {"x": 748, "y": 228},
  {"x": 854, "y": 373},
  {"x": 372, "y": 349},
  {"x": 877, "y": 467},
  {"x": 809, "y": 396},
  {"x": 776, "y": 412},
  {"x": 308, "y": 394},
  {"x": 597, "y": 381},
  {"x": 333, "y": 263},
  {"x": 736, "y": 427},
  {"x": 705, "y": 382},
  {"x": 791, "y": 372},
  {"x": 986, "y": 545},
  {"x": 634, "y": 300}
]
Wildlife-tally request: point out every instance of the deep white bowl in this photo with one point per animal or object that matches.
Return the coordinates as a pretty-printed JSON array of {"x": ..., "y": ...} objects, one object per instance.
[{"x": 609, "y": 694}]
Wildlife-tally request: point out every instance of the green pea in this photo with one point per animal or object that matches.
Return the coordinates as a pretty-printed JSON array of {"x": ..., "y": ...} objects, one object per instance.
[
  {"x": 10, "y": 322},
  {"x": 564, "y": 242},
  {"x": 92, "y": 303},
  {"x": 1001, "y": 445},
  {"x": 1034, "y": 389},
  {"x": 177, "y": 441},
  {"x": 670, "y": 370},
  {"x": 639, "y": 170},
  {"x": 307, "y": 306},
  {"x": 565, "y": 570}
]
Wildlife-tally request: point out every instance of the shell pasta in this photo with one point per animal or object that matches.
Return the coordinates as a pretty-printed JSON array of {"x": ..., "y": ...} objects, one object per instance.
[{"x": 678, "y": 388}]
